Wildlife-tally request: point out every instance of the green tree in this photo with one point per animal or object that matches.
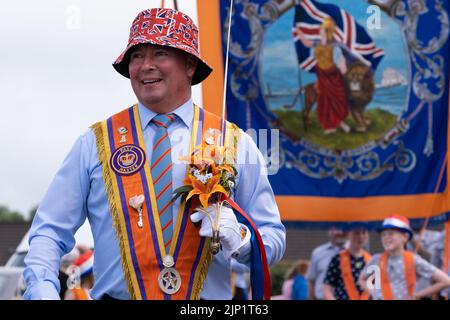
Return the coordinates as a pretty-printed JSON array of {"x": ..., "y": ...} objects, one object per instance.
[
  {"x": 7, "y": 215},
  {"x": 277, "y": 273}
]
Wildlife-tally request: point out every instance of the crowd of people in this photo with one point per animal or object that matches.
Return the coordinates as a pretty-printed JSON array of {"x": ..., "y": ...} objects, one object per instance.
[{"x": 412, "y": 265}]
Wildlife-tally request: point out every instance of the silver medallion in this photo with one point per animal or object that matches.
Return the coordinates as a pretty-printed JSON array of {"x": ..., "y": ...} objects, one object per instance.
[
  {"x": 168, "y": 261},
  {"x": 169, "y": 281}
]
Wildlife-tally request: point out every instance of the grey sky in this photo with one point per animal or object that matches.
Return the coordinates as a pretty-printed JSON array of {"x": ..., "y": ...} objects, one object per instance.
[{"x": 56, "y": 79}]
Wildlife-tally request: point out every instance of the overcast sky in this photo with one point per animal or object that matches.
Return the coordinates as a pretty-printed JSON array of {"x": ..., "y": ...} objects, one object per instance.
[{"x": 56, "y": 79}]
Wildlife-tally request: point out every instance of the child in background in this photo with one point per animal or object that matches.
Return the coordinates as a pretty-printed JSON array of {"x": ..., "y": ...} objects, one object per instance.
[
  {"x": 295, "y": 273},
  {"x": 341, "y": 280},
  {"x": 398, "y": 268},
  {"x": 85, "y": 263},
  {"x": 300, "y": 283}
]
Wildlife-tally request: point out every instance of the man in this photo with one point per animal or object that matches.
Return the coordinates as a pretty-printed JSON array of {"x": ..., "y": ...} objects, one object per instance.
[
  {"x": 121, "y": 174},
  {"x": 424, "y": 242},
  {"x": 320, "y": 258},
  {"x": 399, "y": 268},
  {"x": 441, "y": 255},
  {"x": 341, "y": 280}
]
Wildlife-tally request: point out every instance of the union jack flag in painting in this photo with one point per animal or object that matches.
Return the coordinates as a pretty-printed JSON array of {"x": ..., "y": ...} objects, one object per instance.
[{"x": 352, "y": 37}]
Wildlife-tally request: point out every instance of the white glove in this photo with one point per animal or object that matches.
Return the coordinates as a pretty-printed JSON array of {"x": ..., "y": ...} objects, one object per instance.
[{"x": 232, "y": 234}]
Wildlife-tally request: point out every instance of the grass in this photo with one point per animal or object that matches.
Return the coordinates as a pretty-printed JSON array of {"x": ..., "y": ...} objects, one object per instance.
[{"x": 382, "y": 121}]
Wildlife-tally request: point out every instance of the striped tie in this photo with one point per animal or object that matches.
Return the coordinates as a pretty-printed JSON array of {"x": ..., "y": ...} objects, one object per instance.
[{"x": 162, "y": 174}]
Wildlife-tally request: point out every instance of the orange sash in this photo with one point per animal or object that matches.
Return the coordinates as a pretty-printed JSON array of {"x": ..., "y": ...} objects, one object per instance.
[
  {"x": 126, "y": 173},
  {"x": 80, "y": 294},
  {"x": 410, "y": 275},
  {"x": 347, "y": 276},
  {"x": 446, "y": 248}
]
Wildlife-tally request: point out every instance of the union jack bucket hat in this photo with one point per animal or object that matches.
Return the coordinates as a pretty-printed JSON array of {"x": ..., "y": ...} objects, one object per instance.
[
  {"x": 85, "y": 262},
  {"x": 164, "y": 27}
]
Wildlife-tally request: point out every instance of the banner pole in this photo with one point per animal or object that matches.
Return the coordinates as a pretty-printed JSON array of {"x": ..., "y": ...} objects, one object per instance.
[{"x": 226, "y": 62}]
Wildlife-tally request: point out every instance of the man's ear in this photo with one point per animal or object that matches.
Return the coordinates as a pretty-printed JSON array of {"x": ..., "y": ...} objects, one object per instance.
[{"x": 191, "y": 64}]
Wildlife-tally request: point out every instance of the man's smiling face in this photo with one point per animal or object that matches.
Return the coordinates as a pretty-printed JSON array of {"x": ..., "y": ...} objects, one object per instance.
[{"x": 161, "y": 76}]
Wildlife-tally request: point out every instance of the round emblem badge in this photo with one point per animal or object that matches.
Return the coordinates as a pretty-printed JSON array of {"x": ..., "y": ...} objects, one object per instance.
[
  {"x": 127, "y": 160},
  {"x": 169, "y": 281},
  {"x": 168, "y": 261}
]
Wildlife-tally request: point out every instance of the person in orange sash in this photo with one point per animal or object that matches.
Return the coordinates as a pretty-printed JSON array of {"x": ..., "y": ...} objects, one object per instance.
[
  {"x": 392, "y": 274},
  {"x": 121, "y": 175},
  {"x": 341, "y": 280},
  {"x": 320, "y": 259},
  {"x": 80, "y": 291}
]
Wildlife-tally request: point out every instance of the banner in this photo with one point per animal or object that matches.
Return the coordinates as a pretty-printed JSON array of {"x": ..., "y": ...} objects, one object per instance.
[{"x": 359, "y": 93}]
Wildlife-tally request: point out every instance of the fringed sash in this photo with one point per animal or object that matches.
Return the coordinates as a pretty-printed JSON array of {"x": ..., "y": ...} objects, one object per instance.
[{"x": 126, "y": 173}]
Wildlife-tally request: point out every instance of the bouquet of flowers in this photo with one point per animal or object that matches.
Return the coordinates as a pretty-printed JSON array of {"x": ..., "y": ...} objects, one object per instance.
[{"x": 209, "y": 182}]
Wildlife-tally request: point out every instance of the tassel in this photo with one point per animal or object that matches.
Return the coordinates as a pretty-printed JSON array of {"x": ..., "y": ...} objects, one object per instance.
[
  {"x": 202, "y": 271},
  {"x": 429, "y": 147}
]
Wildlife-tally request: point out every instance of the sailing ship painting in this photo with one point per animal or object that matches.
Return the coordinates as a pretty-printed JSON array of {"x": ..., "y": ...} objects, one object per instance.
[
  {"x": 391, "y": 78},
  {"x": 332, "y": 80}
]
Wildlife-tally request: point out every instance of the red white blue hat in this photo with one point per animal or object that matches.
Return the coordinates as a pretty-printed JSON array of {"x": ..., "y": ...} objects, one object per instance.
[
  {"x": 164, "y": 27},
  {"x": 397, "y": 222},
  {"x": 85, "y": 262}
]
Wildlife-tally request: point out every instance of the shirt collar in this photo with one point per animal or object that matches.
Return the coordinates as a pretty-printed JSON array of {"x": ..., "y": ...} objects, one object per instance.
[
  {"x": 185, "y": 112},
  {"x": 332, "y": 246}
]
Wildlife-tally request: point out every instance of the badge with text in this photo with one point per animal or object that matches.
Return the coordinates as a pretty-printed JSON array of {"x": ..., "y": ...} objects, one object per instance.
[{"x": 127, "y": 160}]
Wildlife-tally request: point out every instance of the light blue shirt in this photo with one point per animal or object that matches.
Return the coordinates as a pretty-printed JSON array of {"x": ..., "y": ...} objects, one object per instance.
[
  {"x": 318, "y": 266},
  {"x": 78, "y": 192}
]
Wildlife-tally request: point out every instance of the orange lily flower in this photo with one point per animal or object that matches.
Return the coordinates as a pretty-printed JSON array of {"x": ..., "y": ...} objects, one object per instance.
[
  {"x": 205, "y": 191},
  {"x": 226, "y": 167}
]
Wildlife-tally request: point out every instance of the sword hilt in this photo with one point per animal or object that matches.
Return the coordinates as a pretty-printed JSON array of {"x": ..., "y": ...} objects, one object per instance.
[{"x": 214, "y": 245}]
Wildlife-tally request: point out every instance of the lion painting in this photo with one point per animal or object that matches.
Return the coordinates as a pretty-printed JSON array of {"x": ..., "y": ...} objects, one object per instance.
[{"x": 359, "y": 86}]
